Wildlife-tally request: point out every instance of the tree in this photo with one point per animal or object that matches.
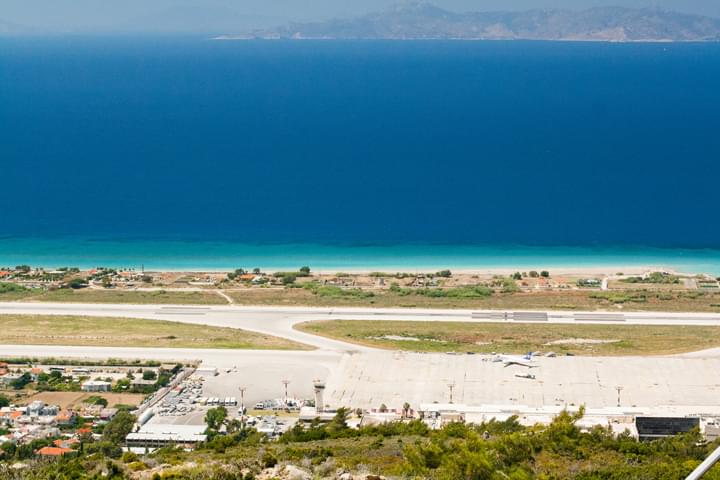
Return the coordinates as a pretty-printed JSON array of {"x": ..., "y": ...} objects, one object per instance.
[
  {"x": 215, "y": 417},
  {"x": 517, "y": 276},
  {"x": 339, "y": 422},
  {"x": 288, "y": 279},
  {"x": 149, "y": 375},
  {"x": 4, "y": 401},
  {"x": 305, "y": 270},
  {"x": 20, "y": 383},
  {"x": 444, "y": 273},
  {"x": 77, "y": 283},
  {"x": 256, "y": 271},
  {"x": 545, "y": 274},
  {"x": 118, "y": 428},
  {"x": 534, "y": 274}
]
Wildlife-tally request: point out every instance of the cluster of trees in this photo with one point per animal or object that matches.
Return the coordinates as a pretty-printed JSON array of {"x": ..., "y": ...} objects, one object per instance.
[
  {"x": 289, "y": 278},
  {"x": 470, "y": 291},
  {"x": 655, "y": 278},
  {"x": 492, "y": 450},
  {"x": 241, "y": 271},
  {"x": 531, "y": 274},
  {"x": 560, "y": 450},
  {"x": 332, "y": 291}
]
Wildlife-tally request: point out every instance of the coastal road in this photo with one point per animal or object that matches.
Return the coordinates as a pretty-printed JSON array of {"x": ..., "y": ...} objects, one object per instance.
[{"x": 279, "y": 321}]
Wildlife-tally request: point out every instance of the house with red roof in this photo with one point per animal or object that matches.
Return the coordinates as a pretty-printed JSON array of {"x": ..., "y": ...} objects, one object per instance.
[{"x": 53, "y": 452}]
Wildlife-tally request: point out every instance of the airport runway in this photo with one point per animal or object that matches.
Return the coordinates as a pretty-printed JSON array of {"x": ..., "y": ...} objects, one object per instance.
[
  {"x": 365, "y": 377},
  {"x": 279, "y": 321}
]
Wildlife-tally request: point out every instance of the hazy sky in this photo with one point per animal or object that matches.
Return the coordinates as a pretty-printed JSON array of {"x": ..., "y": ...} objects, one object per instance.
[{"x": 82, "y": 15}]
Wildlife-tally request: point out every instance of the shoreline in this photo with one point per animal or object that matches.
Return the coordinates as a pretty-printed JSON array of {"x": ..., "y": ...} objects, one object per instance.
[{"x": 168, "y": 255}]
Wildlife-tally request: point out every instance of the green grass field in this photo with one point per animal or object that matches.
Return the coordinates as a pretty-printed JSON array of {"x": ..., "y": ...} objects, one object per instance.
[
  {"x": 611, "y": 340},
  {"x": 130, "y": 332}
]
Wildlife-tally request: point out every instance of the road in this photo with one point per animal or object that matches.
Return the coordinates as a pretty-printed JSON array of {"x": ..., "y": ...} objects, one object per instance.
[{"x": 279, "y": 321}]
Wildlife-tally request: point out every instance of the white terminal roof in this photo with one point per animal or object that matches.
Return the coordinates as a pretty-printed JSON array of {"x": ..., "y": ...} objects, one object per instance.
[{"x": 175, "y": 433}]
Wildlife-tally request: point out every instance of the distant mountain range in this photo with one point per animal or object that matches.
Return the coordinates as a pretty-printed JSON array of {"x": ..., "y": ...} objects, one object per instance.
[{"x": 419, "y": 20}]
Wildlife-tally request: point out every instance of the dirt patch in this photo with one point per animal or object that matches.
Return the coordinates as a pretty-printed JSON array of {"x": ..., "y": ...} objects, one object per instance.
[
  {"x": 70, "y": 399},
  {"x": 581, "y": 341}
]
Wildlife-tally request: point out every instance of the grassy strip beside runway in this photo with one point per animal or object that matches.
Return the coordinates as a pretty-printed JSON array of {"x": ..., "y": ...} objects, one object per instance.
[
  {"x": 597, "y": 340},
  {"x": 130, "y": 332}
]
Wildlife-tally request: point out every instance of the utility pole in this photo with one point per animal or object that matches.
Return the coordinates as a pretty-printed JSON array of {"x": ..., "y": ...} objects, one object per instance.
[
  {"x": 451, "y": 386},
  {"x": 619, "y": 389},
  {"x": 286, "y": 383}
]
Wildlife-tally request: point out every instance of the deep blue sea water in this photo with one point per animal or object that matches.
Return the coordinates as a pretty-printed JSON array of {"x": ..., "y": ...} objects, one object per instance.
[{"x": 385, "y": 153}]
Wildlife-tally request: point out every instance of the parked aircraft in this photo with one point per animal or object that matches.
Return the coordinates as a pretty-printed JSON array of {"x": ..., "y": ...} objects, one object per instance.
[{"x": 522, "y": 361}]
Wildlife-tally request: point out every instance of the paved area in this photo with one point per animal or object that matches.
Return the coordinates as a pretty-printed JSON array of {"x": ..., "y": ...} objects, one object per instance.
[
  {"x": 364, "y": 377},
  {"x": 392, "y": 378},
  {"x": 279, "y": 321}
]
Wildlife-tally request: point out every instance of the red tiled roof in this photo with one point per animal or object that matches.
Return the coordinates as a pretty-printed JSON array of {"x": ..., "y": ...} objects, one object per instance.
[{"x": 53, "y": 451}]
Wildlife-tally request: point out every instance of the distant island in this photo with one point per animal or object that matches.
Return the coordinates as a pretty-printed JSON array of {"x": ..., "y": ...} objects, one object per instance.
[{"x": 421, "y": 21}]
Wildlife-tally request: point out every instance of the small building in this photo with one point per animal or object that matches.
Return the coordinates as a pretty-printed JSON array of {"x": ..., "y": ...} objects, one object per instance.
[
  {"x": 652, "y": 428},
  {"x": 66, "y": 417},
  {"x": 53, "y": 452},
  {"x": 712, "y": 430},
  {"x": 8, "y": 378},
  {"x": 206, "y": 371},
  {"x": 66, "y": 443},
  {"x": 154, "y": 436},
  {"x": 139, "y": 382},
  {"x": 96, "y": 386}
]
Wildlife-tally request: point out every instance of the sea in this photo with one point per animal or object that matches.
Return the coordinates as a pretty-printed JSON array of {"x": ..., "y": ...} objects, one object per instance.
[{"x": 188, "y": 153}]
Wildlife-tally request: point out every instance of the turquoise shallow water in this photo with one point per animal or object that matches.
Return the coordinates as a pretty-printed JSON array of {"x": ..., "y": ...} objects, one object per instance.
[{"x": 161, "y": 254}]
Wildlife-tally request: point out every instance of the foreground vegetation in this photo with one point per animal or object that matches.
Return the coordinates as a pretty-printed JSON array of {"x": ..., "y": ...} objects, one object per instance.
[
  {"x": 492, "y": 451},
  {"x": 481, "y": 298},
  {"x": 588, "y": 339},
  {"x": 130, "y": 332}
]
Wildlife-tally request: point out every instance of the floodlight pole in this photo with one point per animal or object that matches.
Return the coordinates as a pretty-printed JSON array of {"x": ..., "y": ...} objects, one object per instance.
[
  {"x": 705, "y": 466},
  {"x": 242, "y": 405},
  {"x": 451, "y": 386}
]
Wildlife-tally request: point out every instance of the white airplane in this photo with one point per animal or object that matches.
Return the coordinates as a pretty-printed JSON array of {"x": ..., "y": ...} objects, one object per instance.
[{"x": 524, "y": 361}]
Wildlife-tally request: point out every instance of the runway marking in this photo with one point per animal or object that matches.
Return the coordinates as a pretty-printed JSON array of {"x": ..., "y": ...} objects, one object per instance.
[
  {"x": 599, "y": 317},
  {"x": 529, "y": 316}
]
